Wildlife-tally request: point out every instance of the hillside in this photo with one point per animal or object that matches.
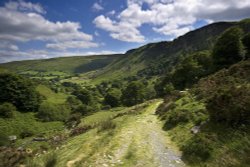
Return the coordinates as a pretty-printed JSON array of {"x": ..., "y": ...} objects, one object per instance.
[
  {"x": 63, "y": 65},
  {"x": 179, "y": 103},
  {"x": 157, "y": 58},
  {"x": 150, "y": 60}
]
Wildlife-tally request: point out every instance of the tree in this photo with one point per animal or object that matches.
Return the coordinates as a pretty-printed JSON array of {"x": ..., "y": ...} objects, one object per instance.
[
  {"x": 84, "y": 95},
  {"x": 19, "y": 91},
  {"x": 6, "y": 110},
  {"x": 73, "y": 103},
  {"x": 191, "y": 69},
  {"x": 113, "y": 97},
  {"x": 228, "y": 48},
  {"x": 133, "y": 94},
  {"x": 246, "y": 42}
]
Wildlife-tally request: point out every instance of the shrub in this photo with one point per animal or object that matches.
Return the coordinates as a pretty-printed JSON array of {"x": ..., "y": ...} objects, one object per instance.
[
  {"x": 73, "y": 120},
  {"x": 107, "y": 125},
  {"x": 73, "y": 103},
  {"x": 175, "y": 117},
  {"x": 197, "y": 149},
  {"x": 7, "y": 110},
  {"x": 113, "y": 97},
  {"x": 230, "y": 105},
  {"x": 84, "y": 109},
  {"x": 246, "y": 42}
]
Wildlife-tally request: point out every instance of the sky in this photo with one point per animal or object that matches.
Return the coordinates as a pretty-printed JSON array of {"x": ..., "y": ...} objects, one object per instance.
[{"x": 37, "y": 29}]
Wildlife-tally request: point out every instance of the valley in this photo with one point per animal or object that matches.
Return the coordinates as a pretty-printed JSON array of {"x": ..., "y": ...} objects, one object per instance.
[{"x": 166, "y": 104}]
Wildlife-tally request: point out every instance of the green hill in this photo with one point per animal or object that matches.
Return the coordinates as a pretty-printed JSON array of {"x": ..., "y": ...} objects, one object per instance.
[
  {"x": 153, "y": 59},
  {"x": 157, "y": 58},
  {"x": 67, "y": 65}
]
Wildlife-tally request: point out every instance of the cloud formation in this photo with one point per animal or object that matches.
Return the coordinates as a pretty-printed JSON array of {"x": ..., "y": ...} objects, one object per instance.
[
  {"x": 97, "y": 7},
  {"x": 169, "y": 17},
  {"x": 24, "y": 21}
]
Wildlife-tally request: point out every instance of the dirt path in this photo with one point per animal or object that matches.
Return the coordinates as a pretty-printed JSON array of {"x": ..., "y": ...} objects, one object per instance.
[{"x": 140, "y": 142}]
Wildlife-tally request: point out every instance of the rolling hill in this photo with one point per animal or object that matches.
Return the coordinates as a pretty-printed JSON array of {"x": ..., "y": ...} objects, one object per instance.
[
  {"x": 69, "y": 65},
  {"x": 152, "y": 59}
]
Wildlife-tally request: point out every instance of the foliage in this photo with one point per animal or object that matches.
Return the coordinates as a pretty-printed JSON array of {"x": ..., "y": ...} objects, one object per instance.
[
  {"x": 107, "y": 125},
  {"x": 19, "y": 91},
  {"x": 246, "y": 42},
  {"x": 191, "y": 69},
  {"x": 113, "y": 97},
  {"x": 230, "y": 105},
  {"x": 176, "y": 117},
  {"x": 85, "y": 109},
  {"x": 73, "y": 120},
  {"x": 6, "y": 110},
  {"x": 84, "y": 95},
  {"x": 197, "y": 149},
  {"x": 73, "y": 103},
  {"x": 52, "y": 112},
  {"x": 133, "y": 94},
  {"x": 228, "y": 48}
]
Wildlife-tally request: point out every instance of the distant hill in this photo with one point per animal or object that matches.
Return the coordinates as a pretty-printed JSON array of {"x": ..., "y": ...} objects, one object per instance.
[
  {"x": 153, "y": 59},
  {"x": 69, "y": 65},
  {"x": 157, "y": 58}
]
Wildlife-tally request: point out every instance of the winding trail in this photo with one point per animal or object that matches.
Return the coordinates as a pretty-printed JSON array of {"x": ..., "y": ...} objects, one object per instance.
[{"x": 140, "y": 142}]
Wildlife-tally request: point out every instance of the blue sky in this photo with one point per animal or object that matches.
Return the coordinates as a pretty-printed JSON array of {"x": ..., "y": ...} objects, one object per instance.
[{"x": 34, "y": 29}]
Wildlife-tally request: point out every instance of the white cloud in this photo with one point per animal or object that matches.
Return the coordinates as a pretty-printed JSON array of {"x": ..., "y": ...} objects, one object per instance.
[
  {"x": 22, "y": 21},
  {"x": 169, "y": 17},
  {"x": 97, "y": 7},
  {"x": 21, "y": 5},
  {"x": 122, "y": 31},
  {"x": 8, "y": 46},
  {"x": 111, "y": 13}
]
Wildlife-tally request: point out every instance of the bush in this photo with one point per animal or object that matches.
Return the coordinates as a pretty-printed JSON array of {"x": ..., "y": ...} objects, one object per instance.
[
  {"x": 7, "y": 110},
  {"x": 230, "y": 105},
  {"x": 246, "y": 42},
  {"x": 175, "y": 117},
  {"x": 19, "y": 91},
  {"x": 73, "y": 103},
  {"x": 73, "y": 120},
  {"x": 107, "y": 125},
  {"x": 84, "y": 109},
  {"x": 53, "y": 112},
  {"x": 197, "y": 149},
  {"x": 113, "y": 97}
]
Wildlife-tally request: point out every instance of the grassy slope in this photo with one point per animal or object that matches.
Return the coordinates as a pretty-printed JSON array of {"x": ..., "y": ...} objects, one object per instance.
[
  {"x": 163, "y": 55},
  {"x": 63, "y": 65},
  {"x": 122, "y": 146},
  {"x": 26, "y": 122},
  {"x": 230, "y": 146},
  {"x": 52, "y": 97}
]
